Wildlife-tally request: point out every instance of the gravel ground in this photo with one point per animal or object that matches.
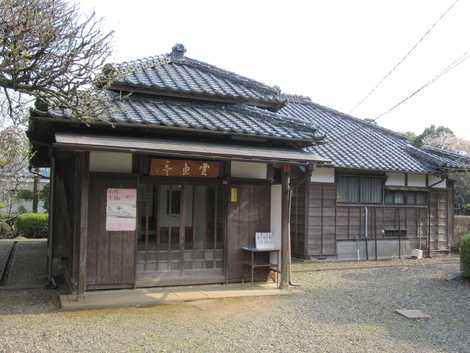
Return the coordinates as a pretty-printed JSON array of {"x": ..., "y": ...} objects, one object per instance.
[{"x": 338, "y": 311}]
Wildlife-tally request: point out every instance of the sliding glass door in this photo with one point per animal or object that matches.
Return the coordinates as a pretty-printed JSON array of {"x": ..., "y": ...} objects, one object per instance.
[{"x": 181, "y": 238}]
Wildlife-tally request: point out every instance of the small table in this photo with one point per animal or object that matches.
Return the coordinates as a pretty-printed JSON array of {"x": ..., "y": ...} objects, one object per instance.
[{"x": 253, "y": 264}]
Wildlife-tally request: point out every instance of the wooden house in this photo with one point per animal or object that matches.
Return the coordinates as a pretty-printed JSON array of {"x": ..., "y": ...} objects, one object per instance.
[
  {"x": 173, "y": 181},
  {"x": 380, "y": 198}
]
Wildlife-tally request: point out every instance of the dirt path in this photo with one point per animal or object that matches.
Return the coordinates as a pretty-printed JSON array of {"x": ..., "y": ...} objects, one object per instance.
[{"x": 27, "y": 264}]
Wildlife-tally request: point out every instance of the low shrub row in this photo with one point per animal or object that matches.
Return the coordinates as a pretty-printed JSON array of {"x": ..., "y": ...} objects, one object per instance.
[{"x": 32, "y": 225}]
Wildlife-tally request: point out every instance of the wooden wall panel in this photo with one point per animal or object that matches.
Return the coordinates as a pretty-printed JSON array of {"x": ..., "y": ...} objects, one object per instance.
[
  {"x": 322, "y": 220},
  {"x": 298, "y": 216},
  {"x": 110, "y": 255},
  {"x": 250, "y": 214}
]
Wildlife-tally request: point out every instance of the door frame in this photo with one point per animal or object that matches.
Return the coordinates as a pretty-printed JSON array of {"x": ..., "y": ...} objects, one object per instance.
[{"x": 222, "y": 189}]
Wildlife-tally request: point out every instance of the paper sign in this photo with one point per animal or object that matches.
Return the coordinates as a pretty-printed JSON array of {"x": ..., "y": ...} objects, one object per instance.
[
  {"x": 121, "y": 210},
  {"x": 233, "y": 194},
  {"x": 264, "y": 240}
]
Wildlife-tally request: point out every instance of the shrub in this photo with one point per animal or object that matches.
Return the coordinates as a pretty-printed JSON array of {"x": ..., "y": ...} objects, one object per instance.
[
  {"x": 5, "y": 230},
  {"x": 465, "y": 256},
  {"x": 32, "y": 225},
  {"x": 24, "y": 194}
]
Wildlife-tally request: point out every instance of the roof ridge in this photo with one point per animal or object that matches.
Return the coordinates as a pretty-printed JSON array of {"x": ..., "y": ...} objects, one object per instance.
[
  {"x": 296, "y": 98},
  {"x": 299, "y": 99},
  {"x": 275, "y": 90},
  {"x": 177, "y": 56}
]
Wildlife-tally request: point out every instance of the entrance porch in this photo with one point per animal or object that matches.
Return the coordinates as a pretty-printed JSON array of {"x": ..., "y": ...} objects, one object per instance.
[{"x": 153, "y": 213}]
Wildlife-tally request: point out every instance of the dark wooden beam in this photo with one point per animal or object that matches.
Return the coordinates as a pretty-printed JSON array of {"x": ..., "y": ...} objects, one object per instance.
[
  {"x": 83, "y": 163},
  {"x": 51, "y": 211},
  {"x": 285, "y": 174}
]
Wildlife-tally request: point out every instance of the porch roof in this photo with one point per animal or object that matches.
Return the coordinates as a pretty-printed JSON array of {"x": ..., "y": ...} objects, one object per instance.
[{"x": 179, "y": 148}]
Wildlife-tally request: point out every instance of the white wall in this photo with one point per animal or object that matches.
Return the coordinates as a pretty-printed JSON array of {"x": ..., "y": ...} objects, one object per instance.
[
  {"x": 249, "y": 170},
  {"x": 417, "y": 180},
  {"x": 276, "y": 219},
  {"x": 395, "y": 179},
  {"x": 323, "y": 175},
  {"x": 112, "y": 162},
  {"x": 434, "y": 179}
]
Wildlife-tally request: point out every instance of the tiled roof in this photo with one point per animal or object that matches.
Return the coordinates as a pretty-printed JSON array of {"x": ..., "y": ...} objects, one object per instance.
[
  {"x": 449, "y": 159},
  {"x": 357, "y": 144},
  {"x": 239, "y": 119},
  {"x": 176, "y": 74}
]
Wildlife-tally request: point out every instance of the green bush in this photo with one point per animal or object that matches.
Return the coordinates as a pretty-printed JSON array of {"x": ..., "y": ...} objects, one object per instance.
[
  {"x": 465, "y": 256},
  {"x": 32, "y": 225},
  {"x": 24, "y": 194}
]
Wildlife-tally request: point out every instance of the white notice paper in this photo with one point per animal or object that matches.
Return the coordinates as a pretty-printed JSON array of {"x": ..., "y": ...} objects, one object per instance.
[{"x": 121, "y": 210}]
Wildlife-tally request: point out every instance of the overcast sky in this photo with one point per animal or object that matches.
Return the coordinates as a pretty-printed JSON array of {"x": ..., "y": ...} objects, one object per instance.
[{"x": 334, "y": 51}]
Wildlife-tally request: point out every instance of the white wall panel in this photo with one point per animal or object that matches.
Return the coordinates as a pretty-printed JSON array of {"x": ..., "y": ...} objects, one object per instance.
[
  {"x": 434, "y": 179},
  {"x": 395, "y": 179},
  {"x": 417, "y": 180},
  {"x": 323, "y": 175},
  {"x": 112, "y": 162},
  {"x": 249, "y": 170}
]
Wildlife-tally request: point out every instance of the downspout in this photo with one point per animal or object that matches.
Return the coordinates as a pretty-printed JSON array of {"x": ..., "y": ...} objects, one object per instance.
[{"x": 366, "y": 230}]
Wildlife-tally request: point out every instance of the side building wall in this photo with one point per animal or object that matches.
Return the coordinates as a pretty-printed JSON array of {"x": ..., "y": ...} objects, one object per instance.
[{"x": 324, "y": 228}]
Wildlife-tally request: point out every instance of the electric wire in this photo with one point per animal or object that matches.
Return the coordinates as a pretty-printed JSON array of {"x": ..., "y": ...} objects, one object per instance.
[{"x": 390, "y": 72}]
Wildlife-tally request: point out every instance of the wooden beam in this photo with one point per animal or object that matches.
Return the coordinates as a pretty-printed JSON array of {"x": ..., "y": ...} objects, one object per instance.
[
  {"x": 83, "y": 158},
  {"x": 285, "y": 173},
  {"x": 51, "y": 211}
]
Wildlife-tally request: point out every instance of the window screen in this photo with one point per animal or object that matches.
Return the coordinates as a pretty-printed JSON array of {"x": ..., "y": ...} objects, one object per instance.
[
  {"x": 348, "y": 189},
  {"x": 356, "y": 189},
  {"x": 371, "y": 190}
]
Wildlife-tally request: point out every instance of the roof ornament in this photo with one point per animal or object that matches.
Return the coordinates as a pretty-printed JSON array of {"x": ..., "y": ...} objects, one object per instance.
[{"x": 178, "y": 50}]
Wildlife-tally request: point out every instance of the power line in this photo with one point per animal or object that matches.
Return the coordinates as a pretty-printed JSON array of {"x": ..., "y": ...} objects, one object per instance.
[
  {"x": 448, "y": 68},
  {"x": 405, "y": 56}
]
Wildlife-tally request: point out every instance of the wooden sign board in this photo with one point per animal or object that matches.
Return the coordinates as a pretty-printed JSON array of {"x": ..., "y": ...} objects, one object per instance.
[{"x": 184, "y": 168}]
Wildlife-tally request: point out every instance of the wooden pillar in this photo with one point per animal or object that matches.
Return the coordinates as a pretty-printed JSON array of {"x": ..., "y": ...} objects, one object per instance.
[
  {"x": 51, "y": 211},
  {"x": 285, "y": 173},
  {"x": 83, "y": 162}
]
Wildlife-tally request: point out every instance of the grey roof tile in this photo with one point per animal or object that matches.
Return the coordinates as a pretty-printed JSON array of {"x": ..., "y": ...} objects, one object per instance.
[
  {"x": 176, "y": 73},
  {"x": 240, "y": 119},
  {"x": 357, "y": 144}
]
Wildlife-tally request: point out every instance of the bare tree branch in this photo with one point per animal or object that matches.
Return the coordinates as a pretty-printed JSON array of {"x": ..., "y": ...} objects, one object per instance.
[{"x": 50, "y": 51}]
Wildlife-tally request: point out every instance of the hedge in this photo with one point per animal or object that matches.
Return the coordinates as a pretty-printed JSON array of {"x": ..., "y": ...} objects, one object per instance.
[
  {"x": 465, "y": 256},
  {"x": 32, "y": 225}
]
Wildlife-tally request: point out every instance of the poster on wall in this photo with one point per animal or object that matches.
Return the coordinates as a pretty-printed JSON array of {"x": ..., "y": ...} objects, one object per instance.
[{"x": 121, "y": 210}]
